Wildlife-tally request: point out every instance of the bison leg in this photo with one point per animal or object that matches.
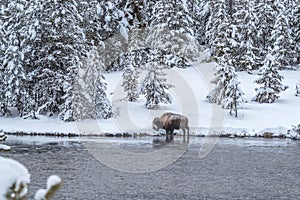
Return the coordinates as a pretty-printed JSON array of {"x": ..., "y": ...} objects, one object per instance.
[
  {"x": 172, "y": 134},
  {"x": 169, "y": 135},
  {"x": 183, "y": 130},
  {"x": 188, "y": 133}
]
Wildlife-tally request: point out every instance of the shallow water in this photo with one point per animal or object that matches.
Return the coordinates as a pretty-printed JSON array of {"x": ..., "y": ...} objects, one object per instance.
[{"x": 248, "y": 168}]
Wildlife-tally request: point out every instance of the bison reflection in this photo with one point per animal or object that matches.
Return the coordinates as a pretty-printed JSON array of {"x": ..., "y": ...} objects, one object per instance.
[{"x": 169, "y": 122}]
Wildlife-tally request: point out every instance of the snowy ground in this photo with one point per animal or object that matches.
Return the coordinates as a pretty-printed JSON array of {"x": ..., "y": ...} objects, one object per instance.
[{"x": 191, "y": 87}]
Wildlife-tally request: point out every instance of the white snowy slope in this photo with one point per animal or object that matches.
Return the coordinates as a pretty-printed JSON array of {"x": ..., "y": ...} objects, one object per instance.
[{"x": 191, "y": 87}]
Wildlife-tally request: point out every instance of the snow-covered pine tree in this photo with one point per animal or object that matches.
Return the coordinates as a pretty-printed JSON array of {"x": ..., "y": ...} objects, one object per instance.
[
  {"x": 266, "y": 18},
  {"x": 90, "y": 98},
  {"x": 295, "y": 18},
  {"x": 199, "y": 16},
  {"x": 218, "y": 17},
  {"x": 136, "y": 39},
  {"x": 3, "y": 85},
  {"x": 223, "y": 75},
  {"x": 103, "y": 104},
  {"x": 171, "y": 29},
  {"x": 85, "y": 87},
  {"x": 281, "y": 37},
  {"x": 202, "y": 15},
  {"x": 110, "y": 14},
  {"x": 135, "y": 11},
  {"x": 154, "y": 86},
  {"x": 270, "y": 80},
  {"x": 234, "y": 96},
  {"x": 15, "y": 47},
  {"x": 224, "y": 42},
  {"x": 246, "y": 26},
  {"x": 118, "y": 18},
  {"x": 211, "y": 24},
  {"x": 130, "y": 79},
  {"x": 58, "y": 56},
  {"x": 91, "y": 22}
]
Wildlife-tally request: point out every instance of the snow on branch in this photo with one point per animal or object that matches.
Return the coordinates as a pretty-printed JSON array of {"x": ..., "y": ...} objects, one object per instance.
[
  {"x": 53, "y": 184},
  {"x": 15, "y": 180}
]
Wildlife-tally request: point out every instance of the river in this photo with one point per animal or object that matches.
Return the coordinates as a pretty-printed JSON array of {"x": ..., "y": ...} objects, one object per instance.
[{"x": 239, "y": 168}]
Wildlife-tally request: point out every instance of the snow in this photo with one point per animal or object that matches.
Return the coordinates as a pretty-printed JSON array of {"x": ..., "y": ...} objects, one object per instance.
[
  {"x": 4, "y": 147},
  {"x": 11, "y": 172},
  {"x": 40, "y": 194},
  {"x": 191, "y": 86},
  {"x": 51, "y": 182}
]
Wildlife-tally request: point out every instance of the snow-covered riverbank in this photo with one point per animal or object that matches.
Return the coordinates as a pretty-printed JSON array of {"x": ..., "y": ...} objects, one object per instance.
[{"x": 191, "y": 87}]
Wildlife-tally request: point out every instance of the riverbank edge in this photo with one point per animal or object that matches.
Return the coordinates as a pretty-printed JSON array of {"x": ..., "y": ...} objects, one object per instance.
[{"x": 204, "y": 132}]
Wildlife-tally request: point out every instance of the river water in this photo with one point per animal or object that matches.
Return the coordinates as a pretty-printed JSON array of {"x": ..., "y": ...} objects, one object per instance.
[{"x": 241, "y": 168}]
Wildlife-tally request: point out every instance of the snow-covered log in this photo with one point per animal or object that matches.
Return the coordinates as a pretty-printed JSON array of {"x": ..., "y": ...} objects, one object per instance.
[{"x": 4, "y": 147}]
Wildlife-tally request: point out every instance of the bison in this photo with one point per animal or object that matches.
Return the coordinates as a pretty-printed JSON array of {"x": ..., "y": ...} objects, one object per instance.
[{"x": 170, "y": 121}]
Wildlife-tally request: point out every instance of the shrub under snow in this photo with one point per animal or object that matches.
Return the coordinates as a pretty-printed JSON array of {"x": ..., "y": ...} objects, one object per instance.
[{"x": 15, "y": 180}]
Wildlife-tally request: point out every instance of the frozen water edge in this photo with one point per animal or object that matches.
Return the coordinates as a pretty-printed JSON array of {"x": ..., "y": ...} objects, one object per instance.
[
  {"x": 279, "y": 132},
  {"x": 140, "y": 141}
]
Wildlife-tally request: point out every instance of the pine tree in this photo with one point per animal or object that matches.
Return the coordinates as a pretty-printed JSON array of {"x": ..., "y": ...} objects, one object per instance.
[
  {"x": 130, "y": 79},
  {"x": 270, "y": 80},
  {"x": 102, "y": 103},
  {"x": 117, "y": 21},
  {"x": 234, "y": 96},
  {"x": 266, "y": 19},
  {"x": 85, "y": 87},
  {"x": 218, "y": 19},
  {"x": 136, "y": 41},
  {"x": 91, "y": 22},
  {"x": 294, "y": 19},
  {"x": 110, "y": 14},
  {"x": 199, "y": 17},
  {"x": 222, "y": 78},
  {"x": 246, "y": 23},
  {"x": 171, "y": 29},
  {"x": 90, "y": 98},
  {"x": 58, "y": 55},
  {"x": 225, "y": 44},
  {"x": 281, "y": 37},
  {"x": 224, "y": 41},
  {"x": 154, "y": 86},
  {"x": 201, "y": 20},
  {"x": 15, "y": 48}
]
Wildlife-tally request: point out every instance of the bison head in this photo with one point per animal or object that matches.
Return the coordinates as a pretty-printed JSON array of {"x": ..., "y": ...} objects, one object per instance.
[{"x": 157, "y": 124}]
